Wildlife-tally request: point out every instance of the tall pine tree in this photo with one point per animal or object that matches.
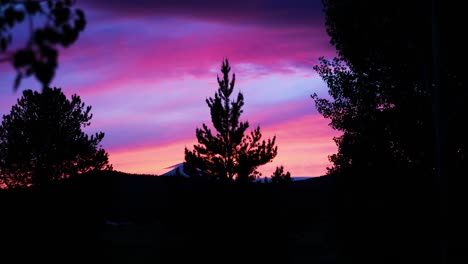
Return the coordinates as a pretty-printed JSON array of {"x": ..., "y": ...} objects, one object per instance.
[{"x": 231, "y": 154}]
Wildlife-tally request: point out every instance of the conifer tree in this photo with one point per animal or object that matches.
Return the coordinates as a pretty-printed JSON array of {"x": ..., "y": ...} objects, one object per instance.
[
  {"x": 230, "y": 154},
  {"x": 42, "y": 140},
  {"x": 280, "y": 177}
]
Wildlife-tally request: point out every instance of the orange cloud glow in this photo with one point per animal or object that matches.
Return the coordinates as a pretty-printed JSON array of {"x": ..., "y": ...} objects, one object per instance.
[{"x": 303, "y": 148}]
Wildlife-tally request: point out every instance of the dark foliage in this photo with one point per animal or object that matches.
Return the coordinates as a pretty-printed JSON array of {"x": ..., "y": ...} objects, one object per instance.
[
  {"x": 377, "y": 132},
  {"x": 406, "y": 57},
  {"x": 230, "y": 154},
  {"x": 56, "y": 223},
  {"x": 112, "y": 217},
  {"x": 398, "y": 92},
  {"x": 51, "y": 24},
  {"x": 41, "y": 140},
  {"x": 279, "y": 177}
]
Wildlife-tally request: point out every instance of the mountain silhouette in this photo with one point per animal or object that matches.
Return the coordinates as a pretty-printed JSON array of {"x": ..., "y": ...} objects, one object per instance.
[{"x": 176, "y": 170}]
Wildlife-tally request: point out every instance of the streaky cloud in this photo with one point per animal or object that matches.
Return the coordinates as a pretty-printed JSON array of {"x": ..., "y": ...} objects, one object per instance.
[{"x": 270, "y": 13}]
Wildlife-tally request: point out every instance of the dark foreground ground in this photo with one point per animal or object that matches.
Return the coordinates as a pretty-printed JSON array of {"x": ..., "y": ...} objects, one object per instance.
[{"x": 119, "y": 218}]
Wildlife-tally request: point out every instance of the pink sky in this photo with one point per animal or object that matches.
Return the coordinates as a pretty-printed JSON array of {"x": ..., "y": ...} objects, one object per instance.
[{"x": 147, "y": 69}]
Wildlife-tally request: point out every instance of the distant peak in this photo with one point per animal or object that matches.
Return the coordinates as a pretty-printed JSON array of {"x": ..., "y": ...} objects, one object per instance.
[{"x": 174, "y": 166}]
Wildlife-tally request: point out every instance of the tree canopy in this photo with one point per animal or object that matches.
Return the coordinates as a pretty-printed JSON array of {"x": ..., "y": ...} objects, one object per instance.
[
  {"x": 397, "y": 83},
  {"x": 230, "y": 154},
  {"x": 49, "y": 24},
  {"x": 377, "y": 132},
  {"x": 42, "y": 141},
  {"x": 398, "y": 95},
  {"x": 280, "y": 177}
]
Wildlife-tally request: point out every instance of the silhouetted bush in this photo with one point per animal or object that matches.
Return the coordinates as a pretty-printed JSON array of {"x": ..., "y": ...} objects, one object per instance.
[{"x": 279, "y": 177}]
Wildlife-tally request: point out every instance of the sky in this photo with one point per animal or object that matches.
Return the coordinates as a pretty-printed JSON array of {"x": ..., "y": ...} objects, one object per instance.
[{"x": 146, "y": 68}]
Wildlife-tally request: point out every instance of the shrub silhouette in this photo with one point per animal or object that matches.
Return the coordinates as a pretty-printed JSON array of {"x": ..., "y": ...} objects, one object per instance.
[{"x": 279, "y": 177}]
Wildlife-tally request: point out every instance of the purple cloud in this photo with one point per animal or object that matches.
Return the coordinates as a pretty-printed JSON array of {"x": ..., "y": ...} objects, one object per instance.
[{"x": 274, "y": 13}]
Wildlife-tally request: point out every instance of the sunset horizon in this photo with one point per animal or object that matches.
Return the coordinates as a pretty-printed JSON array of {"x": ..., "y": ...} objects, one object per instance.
[{"x": 147, "y": 75}]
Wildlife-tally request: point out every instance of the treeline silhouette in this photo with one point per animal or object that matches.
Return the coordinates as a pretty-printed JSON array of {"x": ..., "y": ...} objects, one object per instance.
[{"x": 119, "y": 218}]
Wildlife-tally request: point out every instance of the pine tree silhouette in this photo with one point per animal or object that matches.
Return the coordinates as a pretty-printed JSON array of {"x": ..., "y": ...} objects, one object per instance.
[
  {"x": 230, "y": 154},
  {"x": 280, "y": 177}
]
